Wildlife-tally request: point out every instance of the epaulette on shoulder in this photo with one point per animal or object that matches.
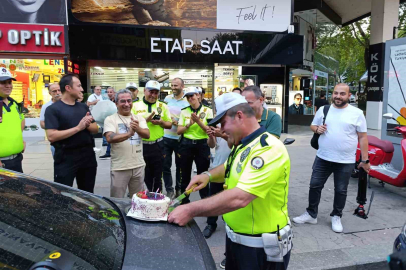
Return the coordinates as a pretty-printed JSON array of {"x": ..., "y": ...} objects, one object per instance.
[
  {"x": 263, "y": 140},
  {"x": 185, "y": 108},
  {"x": 207, "y": 106}
]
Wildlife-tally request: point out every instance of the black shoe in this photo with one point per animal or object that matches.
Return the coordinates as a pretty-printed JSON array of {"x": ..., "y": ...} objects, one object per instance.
[
  {"x": 208, "y": 231},
  {"x": 105, "y": 156},
  {"x": 223, "y": 264}
]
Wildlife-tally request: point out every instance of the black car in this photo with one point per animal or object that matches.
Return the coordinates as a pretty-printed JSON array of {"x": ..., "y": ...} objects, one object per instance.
[{"x": 45, "y": 225}]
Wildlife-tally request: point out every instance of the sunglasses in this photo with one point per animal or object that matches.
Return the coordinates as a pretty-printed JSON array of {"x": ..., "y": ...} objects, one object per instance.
[{"x": 32, "y": 127}]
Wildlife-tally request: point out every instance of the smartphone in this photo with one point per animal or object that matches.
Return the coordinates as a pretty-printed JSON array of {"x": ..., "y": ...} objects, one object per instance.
[
  {"x": 156, "y": 117},
  {"x": 209, "y": 120}
]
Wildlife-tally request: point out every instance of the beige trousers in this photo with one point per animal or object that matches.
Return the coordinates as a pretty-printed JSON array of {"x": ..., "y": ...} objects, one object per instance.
[{"x": 120, "y": 180}]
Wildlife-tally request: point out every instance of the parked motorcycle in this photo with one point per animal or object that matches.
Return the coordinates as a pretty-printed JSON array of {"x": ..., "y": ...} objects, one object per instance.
[{"x": 380, "y": 157}]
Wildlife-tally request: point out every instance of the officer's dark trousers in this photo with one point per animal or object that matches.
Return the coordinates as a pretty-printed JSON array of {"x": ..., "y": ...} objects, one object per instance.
[
  {"x": 154, "y": 160},
  {"x": 76, "y": 163},
  {"x": 14, "y": 164},
  {"x": 322, "y": 169},
  {"x": 171, "y": 146},
  {"x": 241, "y": 257},
  {"x": 189, "y": 151}
]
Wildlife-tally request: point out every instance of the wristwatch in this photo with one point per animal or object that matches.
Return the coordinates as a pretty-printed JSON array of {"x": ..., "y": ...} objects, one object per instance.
[
  {"x": 365, "y": 161},
  {"x": 208, "y": 174}
]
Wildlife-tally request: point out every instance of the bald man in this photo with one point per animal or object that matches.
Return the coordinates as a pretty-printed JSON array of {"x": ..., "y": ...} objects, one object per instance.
[{"x": 343, "y": 128}]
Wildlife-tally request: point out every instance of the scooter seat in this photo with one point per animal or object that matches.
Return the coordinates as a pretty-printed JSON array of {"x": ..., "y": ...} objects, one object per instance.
[{"x": 386, "y": 146}]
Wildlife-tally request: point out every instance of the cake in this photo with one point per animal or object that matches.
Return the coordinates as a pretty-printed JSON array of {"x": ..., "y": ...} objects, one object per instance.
[{"x": 149, "y": 205}]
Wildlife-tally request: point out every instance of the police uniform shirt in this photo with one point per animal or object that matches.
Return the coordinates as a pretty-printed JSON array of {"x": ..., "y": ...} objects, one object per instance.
[
  {"x": 194, "y": 132},
  {"x": 11, "y": 135},
  {"x": 259, "y": 165},
  {"x": 144, "y": 109},
  {"x": 272, "y": 122}
]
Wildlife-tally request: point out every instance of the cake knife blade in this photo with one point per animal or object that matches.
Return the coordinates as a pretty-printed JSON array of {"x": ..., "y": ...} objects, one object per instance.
[{"x": 176, "y": 202}]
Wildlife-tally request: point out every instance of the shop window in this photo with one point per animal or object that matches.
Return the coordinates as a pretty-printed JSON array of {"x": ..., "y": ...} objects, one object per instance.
[{"x": 33, "y": 78}]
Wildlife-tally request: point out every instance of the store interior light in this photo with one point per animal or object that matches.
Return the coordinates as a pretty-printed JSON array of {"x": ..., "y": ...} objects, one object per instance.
[
  {"x": 159, "y": 70},
  {"x": 111, "y": 68},
  {"x": 204, "y": 70},
  {"x": 98, "y": 68},
  {"x": 147, "y": 69},
  {"x": 123, "y": 68},
  {"x": 193, "y": 70}
]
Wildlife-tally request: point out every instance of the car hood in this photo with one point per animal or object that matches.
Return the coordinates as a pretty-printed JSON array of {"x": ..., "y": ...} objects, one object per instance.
[{"x": 160, "y": 245}]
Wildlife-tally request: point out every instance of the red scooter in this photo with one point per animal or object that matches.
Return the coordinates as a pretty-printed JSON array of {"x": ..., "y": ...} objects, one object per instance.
[{"x": 380, "y": 157}]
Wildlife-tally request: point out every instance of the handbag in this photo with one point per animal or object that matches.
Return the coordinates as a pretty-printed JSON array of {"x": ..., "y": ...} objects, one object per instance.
[{"x": 314, "y": 142}]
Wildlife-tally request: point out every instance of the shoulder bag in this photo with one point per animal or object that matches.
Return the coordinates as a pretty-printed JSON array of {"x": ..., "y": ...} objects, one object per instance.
[{"x": 314, "y": 142}]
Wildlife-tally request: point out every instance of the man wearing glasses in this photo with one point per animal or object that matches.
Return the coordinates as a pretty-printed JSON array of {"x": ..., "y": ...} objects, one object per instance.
[
  {"x": 297, "y": 106},
  {"x": 55, "y": 91},
  {"x": 124, "y": 131},
  {"x": 12, "y": 123}
]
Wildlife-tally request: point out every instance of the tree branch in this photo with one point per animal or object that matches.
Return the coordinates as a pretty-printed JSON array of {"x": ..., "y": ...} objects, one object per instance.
[{"x": 356, "y": 36}]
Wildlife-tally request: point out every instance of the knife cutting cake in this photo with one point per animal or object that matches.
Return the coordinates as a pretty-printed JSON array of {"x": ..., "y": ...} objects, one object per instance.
[{"x": 149, "y": 205}]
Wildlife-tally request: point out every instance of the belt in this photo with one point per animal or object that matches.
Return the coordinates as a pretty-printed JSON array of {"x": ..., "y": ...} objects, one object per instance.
[
  {"x": 152, "y": 142},
  {"x": 249, "y": 241},
  {"x": 10, "y": 157},
  {"x": 201, "y": 141}
]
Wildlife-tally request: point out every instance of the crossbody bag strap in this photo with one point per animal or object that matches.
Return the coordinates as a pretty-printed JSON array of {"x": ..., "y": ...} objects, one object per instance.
[{"x": 325, "y": 111}]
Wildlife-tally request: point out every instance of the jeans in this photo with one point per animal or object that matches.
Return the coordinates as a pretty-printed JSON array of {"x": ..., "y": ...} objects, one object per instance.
[
  {"x": 53, "y": 151},
  {"x": 108, "y": 150},
  {"x": 322, "y": 169},
  {"x": 171, "y": 146},
  {"x": 14, "y": 164}
]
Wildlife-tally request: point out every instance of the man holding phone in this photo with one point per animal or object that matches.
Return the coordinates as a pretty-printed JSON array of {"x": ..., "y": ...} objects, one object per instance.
[{"x": 158, "y": 118}]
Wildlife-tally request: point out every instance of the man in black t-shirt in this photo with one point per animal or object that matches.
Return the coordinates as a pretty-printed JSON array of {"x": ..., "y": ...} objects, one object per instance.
[
  {"x": 69, "y": 125},
  {"x": 320, "y": 102}
]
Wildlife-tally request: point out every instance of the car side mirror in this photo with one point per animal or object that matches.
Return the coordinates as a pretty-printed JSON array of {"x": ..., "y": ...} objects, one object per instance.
[
  {"x": 288, "y": 141},
  {"x": 388, "y": 116}
]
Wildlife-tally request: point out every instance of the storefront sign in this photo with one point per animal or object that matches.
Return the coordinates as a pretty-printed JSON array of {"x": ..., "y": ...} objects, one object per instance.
[
  {"x": 174, "y": 45},
  {"x": 375, "y": 72},
  {"x": 32, "y": 38},
  {"x": 255, "y": 15}
]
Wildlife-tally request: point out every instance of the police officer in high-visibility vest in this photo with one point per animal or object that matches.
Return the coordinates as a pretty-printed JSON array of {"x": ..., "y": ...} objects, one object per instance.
[
  {"x": 256, "y": 183},
  {"x": 192, "y": 127},
  {"x": 158, "y": 118},
  {"x": 12, "y": 124}
]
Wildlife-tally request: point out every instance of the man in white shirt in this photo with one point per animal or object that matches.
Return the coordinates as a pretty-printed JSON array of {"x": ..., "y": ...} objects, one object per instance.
[
  {"x": 124, "y": 132},
  {"x": 344, "y": 127},
  {"x": 95, "y": 97},
  {"x": 55, "y": 91}
]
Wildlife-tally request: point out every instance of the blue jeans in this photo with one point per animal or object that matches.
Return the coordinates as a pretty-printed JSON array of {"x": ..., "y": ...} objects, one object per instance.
[
  {"x": 53, "y": 151},
  {"x": 322, "y": 169},
  {"x": 108, "y": 150}
]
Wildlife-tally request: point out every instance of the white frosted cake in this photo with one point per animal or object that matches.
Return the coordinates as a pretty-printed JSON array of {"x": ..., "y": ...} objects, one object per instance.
[{"x": 149, "y": 205}]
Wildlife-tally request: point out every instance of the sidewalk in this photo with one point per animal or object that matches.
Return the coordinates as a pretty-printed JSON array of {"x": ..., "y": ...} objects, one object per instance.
[{"x": 364, "y": 244}]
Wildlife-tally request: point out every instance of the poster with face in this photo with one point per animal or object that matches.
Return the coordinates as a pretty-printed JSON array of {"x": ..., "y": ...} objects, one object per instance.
[
  {"x": 296, "y": 102},
  {"x": 33, "y": 11}
]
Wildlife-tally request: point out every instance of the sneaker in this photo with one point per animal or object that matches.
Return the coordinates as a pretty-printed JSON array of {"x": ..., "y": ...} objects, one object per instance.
[
  {"x": 223, "y": 264},
  {"x": 336, "y": 224},
  {"x": 208, "y": 231},
  {"x": 105, "y": 156},
  {"x": 178, "y": 193},
  {"x": 170, "y": 194},
  {"x": 305, "y": 218}
]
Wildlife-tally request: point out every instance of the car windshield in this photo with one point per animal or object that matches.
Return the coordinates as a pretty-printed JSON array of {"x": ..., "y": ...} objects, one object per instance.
[{"x": 40, "y": 220}]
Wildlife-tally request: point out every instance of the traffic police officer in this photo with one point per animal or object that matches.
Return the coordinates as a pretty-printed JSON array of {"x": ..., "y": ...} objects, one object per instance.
[
  {"x": 254, "y": 203},
  {"x": 158, "y": 118},
  {"x": 192, "y": 127},
  {"x": 12, "y": 124}
]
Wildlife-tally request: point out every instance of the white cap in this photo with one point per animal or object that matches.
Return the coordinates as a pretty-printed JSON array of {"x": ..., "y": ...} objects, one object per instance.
[
  {"x": 189, "y": 91},
  {"x": 153, "y": 85},
  {"x": 224, "y": 103},
  {"x": 199, "y": 89},
  {"x": 132, "y": 85},
  {"x": 5, "y": 75}
]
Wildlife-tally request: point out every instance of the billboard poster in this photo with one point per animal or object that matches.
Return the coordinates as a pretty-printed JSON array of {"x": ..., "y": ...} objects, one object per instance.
[
  {"x": 33, "y": 11},
  {"x": 158, "y": 75},
  {"x": 397, "y": 85},
  {"x": 296, "y": 102},
  {"x": 255, "y": 15}
]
